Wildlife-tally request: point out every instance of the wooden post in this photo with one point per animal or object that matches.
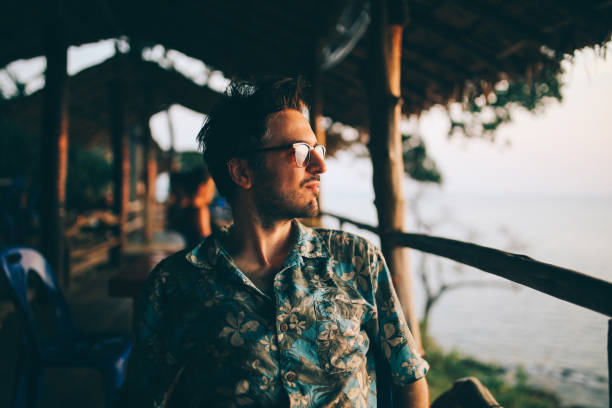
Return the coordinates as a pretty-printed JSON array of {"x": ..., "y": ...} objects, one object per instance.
[
  {"x": 316, "y": 110},
  {"x": 316, "y": 118},
  {"x": 54, "y": 149},
  {"x": 121, "y": 163},
  {"x": 174, "y": 160},
  {"x": 150, "y": 179},
  {"x": 383, "y": 76}
]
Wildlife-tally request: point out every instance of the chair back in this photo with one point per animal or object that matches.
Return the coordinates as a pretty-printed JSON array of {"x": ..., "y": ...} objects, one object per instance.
[{"x": 16, "y": 264}]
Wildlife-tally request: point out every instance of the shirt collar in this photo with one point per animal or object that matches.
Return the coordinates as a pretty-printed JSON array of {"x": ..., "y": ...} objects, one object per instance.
[{"x": 308, "y": 244}]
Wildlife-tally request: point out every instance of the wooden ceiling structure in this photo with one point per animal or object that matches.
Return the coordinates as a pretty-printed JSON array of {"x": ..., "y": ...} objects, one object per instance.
[
  {"x": 369, "y": 61},
  {"x": 147, "y": 89},
  {"x": 445, "y": 43}
]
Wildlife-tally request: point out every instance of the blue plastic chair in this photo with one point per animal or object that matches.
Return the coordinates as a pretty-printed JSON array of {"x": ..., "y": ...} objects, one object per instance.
[{"x": 67, "y": 348}]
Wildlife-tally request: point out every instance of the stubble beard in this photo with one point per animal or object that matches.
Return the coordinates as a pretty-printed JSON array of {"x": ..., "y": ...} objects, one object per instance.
[{"x": 274, "y": 205}]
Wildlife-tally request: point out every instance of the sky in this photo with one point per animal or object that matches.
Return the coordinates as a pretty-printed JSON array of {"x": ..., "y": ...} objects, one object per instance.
[{"x": 564, "y": 149}]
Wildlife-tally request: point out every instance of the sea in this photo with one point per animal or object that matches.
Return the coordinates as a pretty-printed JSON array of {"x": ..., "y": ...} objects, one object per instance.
[{"x": 561, "y": 346}]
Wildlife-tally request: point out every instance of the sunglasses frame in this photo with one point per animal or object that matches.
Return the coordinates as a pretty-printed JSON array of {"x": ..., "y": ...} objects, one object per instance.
[{"x": 292, "y": 146}]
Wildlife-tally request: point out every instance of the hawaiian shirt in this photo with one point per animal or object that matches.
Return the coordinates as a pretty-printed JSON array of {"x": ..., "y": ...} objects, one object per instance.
[{"x": 206, "y": 336}]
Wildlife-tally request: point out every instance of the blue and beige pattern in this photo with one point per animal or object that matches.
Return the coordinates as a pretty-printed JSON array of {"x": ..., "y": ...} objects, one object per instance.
[{"x": 206, "y": 336}]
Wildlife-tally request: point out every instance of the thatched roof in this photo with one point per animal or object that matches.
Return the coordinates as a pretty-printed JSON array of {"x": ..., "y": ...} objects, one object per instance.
[
  {"x": 146, "y": 89},
  {"x": 445, "y": 43}
]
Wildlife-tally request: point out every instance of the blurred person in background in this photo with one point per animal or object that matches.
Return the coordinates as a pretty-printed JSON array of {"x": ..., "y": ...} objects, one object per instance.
[{"x": 188, "y": 210}]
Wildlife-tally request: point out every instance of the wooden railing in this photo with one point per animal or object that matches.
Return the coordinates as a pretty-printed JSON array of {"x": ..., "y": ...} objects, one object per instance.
[{"x": 565, "y": 284}]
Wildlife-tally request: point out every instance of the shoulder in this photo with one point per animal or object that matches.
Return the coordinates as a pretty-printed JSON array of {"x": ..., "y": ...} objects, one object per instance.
[
  {"x": 342, "y": 244},
  {"x": 169, "y": 275}
]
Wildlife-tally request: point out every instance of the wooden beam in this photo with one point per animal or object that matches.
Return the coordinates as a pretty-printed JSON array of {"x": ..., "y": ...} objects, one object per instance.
[
  {"x": 385, "y": 145},
  {"x": 584, "y": 16},
  {"x": 258, "y": 31},
  {"x": 54, "y": 143},
  {"x": 456, "y": 38},
  {"x": 451, "y": 67},
  {"x": 121, "y": 162},
  {"x": 429, "y": 78},
  {"x": 517, "y": 29},
  {"x": 565, "y": 284}
]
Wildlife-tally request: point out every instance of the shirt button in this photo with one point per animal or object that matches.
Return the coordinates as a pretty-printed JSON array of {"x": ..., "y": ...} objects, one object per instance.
[
  {"x": 284, "y": 327},
  {"x": 290, "y": 376}
]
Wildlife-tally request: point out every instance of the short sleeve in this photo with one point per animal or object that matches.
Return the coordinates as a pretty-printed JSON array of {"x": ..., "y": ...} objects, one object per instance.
[
  {"x": 393, "y": 336},
  {"x": 152, "y": 367}
]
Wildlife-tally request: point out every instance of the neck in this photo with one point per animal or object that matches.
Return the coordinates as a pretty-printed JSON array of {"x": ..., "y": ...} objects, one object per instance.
[{"x": 259, "y": 243}]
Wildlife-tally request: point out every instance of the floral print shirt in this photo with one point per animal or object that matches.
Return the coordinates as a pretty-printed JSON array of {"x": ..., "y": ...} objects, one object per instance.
[{"x": 206, "y": 336}]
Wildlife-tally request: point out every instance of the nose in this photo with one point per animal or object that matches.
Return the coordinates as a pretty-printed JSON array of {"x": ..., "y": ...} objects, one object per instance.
[{"x": 316, "y": 164}]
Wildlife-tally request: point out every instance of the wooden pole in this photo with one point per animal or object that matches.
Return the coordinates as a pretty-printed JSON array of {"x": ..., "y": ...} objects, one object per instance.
[
  {"x": 316, "y": 110},
  {"x": 54, "y": 143},
  {"x": 174, "y": 160},
  {"x": 150, "y": 179},
  {"x": 316, "y": 118},
  {"x": 383, "y": 76},
  {"x": 121, "y": 163},
  {"x": 565, "y": 284}
]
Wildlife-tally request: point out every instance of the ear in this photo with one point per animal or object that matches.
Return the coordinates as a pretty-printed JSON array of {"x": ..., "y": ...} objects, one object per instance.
[{"x": 240, "y": 173}]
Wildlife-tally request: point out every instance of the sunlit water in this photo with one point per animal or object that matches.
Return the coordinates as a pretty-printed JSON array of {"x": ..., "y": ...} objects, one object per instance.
[{"x": 562, "y": 346}]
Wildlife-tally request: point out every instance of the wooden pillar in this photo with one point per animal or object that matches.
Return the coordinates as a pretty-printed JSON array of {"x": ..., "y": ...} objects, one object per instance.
[
  {"x": 54, "y": 143},
  {"x": 150, "y": 179},
  {"x": 316, "y": 110},
  {"x": 121, "y": 163},
  {"x": 174, "y": 160},
  {"x": 316, "y": 118},
  {"x": 383, "y": 76}
]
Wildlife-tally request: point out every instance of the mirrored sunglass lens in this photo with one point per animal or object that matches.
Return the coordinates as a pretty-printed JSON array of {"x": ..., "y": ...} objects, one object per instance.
[
  {"x": 320, "y": 150},
  {"x": 301, "y": 154}
]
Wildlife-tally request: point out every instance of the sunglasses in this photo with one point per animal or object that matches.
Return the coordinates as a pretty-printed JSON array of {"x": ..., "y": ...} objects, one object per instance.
[{"x": 301, "y": 151}]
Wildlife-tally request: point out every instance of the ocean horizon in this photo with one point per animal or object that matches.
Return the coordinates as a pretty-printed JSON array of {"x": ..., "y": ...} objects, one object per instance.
[{"x": 560, "y": 345}]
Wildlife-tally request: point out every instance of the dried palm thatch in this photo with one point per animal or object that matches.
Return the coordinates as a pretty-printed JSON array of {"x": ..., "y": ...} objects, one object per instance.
[{"x": 451, "y": 50}]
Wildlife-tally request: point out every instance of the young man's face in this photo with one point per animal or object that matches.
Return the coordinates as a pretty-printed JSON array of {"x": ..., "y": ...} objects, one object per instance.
[{"x": 282, "y": 189}]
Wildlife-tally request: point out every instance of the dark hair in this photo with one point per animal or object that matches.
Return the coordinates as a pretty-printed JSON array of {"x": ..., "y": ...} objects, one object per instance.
[{"x": 238, "y": 123}]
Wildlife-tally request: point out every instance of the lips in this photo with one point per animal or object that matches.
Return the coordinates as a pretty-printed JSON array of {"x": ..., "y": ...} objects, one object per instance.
[
  {"x": 313, "y": 181},
  {"x": 313, "y": 185}
]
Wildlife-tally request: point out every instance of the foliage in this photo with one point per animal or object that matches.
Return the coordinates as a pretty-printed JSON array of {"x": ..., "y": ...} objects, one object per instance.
[
  {"x": 89, "y": 179},
  {"x": 514, "y": 393},
  {"x": 484, "y": 109},
  {"x": 480, "y": 113},
  {"x": 417, "y": 164}
]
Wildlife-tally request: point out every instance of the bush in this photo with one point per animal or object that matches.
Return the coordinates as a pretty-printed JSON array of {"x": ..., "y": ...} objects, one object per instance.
[{"x": 448, "y": 367}]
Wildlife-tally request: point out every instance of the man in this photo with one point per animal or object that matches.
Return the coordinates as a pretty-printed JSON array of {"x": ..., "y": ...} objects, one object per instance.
[{"x": 270, "y": 313}]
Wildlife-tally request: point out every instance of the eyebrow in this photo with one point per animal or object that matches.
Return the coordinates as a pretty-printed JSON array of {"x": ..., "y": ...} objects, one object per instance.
[{"x": 305, "y": 141}]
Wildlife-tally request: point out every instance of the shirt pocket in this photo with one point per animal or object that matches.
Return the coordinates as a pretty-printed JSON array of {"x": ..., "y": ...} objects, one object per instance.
[{"x": 342, "y": 345}]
